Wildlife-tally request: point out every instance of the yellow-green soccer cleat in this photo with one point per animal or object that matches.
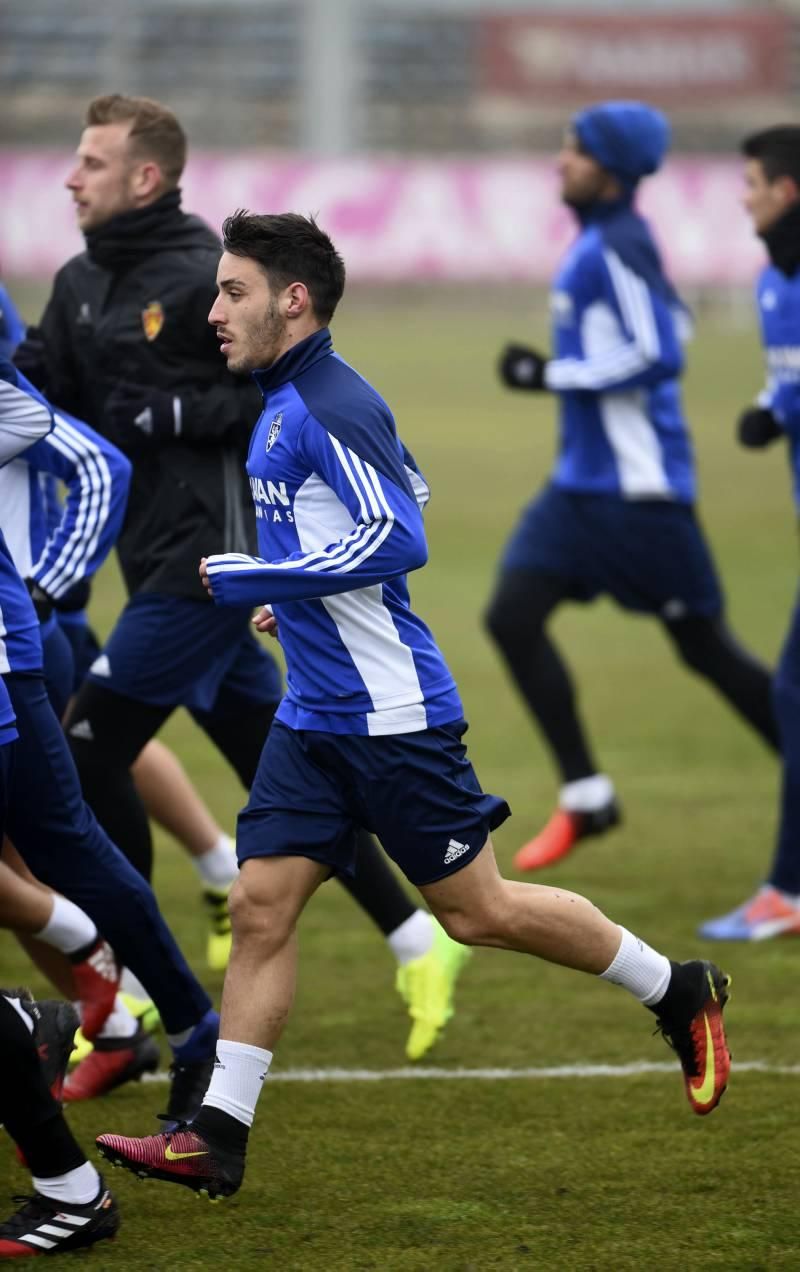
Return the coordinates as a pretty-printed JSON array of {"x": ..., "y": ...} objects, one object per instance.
[
  {"x": 81, "y": 1047},
  {"x": 144, "y": 1010},
  {"x": 426, "y": 985},
  {"x": 218, "y": 947}
]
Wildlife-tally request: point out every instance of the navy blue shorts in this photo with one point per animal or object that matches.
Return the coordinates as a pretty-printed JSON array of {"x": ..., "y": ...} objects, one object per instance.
[
  {"x": 171, "y": 651},
  {"x": 649, "y": 555},
  {"x": 416, "y": 791}
]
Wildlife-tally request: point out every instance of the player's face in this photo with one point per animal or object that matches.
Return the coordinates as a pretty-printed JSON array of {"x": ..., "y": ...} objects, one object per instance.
[
  {"x": 104, "y": 179},
  {"x": 582, "y": 179},
  {"x": 249, "y": 317},
  {"x": 764, "y": 201}
]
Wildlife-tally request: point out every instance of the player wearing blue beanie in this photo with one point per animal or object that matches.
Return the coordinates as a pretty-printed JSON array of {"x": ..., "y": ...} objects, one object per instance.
[
  {"x": 628, "y": 139},
  {"x": 617, "y": 518}
]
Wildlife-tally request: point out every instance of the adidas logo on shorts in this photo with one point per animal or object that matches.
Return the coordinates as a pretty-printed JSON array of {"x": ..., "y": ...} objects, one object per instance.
[
  {"x": 83, "y": 730},
  {"x": 454, "y": 851}
]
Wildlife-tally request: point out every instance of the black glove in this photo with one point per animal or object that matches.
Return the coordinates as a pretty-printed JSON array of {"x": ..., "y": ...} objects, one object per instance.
[
  {"x": 42, "y": 603},
  {"x": 757, "y": 427},
  {"x": 522, "y": 368},
  {"x": 75, "y": 598},
  {"x": 30, "y": 357},
  {"x": 139, "y": 415}
]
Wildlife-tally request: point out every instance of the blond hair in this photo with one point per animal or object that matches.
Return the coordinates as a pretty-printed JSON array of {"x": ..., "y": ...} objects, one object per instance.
[{"x": 155, "y": 132}]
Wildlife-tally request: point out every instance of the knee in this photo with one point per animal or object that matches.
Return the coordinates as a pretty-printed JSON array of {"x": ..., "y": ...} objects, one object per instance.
[
  {"x": 697, "y": 641},
  {"x": 260, "y": 915},
  {"x": 475, "y": 926},
  {"x": 498, "y": 620},
  {"x": 510, "y": 623}
]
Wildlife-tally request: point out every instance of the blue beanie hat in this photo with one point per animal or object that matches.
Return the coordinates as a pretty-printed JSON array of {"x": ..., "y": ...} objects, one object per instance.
[{"x": 628, "y": 139}]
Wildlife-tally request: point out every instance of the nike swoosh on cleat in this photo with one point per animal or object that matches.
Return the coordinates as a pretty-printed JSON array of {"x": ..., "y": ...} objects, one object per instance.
[
  {"x": 705, "y": 1091},
  {"x": 177, "y": 1157},
  {"x": 775, "y": 927}
]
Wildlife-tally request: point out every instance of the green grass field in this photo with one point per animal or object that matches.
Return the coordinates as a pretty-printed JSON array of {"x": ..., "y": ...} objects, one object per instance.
[{"x": 461, "y": 1176}]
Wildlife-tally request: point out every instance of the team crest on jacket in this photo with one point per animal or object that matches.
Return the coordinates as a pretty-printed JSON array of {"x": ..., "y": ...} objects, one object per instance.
[
  {"x": 153, "y": 319},
  {"x": 274, "y": 430}
]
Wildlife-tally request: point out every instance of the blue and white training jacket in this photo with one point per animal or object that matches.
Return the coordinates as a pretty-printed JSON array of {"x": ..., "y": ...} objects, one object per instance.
[
  {"x": 23, "y": 421},
  {"x": 778, "y": 297},
  {"x": 338, "y": 514},
  {"x": 12, "y": 328},
  {"x": 60, "y": 553},
  {"x": 618, "y": 327}
]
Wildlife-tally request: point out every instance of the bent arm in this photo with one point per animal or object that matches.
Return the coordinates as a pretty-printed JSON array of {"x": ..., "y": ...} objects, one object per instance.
[{"x": 648, "y": 349}]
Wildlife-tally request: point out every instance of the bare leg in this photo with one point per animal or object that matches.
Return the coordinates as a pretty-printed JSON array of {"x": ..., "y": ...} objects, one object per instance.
[
  {"x": 478, "y": 907},
  {"x": 266, "y": 902},
  {"x": 24, "y": 906}
]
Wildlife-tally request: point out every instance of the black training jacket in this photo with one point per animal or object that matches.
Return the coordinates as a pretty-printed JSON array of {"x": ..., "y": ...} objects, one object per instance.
[{"x": 136, "y": 309}]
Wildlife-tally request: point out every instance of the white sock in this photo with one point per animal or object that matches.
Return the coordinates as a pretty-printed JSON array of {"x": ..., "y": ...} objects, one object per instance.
[
  {"x": 120, "y": 1023},
  {"x": 237, "y": 1079},
  {"x": 640, "y": 969},
  {"x": 218, "y": 867},
  {"x": 68, "y": 929},
  {"x": 413, "y": 938},
  {"x": 129, "y": 984},
  {"x": 21, "y": 1012},
  {"x": 586, "y": 795},
  {"x": 78, "y": 1186}
]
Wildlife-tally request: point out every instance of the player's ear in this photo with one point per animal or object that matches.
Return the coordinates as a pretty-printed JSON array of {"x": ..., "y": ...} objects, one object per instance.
[{"x": 298, "y": 300}]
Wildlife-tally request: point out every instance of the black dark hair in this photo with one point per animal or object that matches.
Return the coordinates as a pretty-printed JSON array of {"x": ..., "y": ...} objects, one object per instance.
[
  {"x": 777, "y": 149},
  {"x": 289, "y": 248}
]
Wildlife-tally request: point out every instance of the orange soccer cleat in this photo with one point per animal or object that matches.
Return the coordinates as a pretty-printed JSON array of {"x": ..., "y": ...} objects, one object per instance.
[
  {"x": 691, "y": 1022},
  {"x": 562, "y": 833}
]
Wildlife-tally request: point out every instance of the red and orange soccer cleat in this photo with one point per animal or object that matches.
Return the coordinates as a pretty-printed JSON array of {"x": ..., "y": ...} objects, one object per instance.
[
  {"x": 112, "y": 1062},
  {"x": 692, "y": 1025},
  {"x": 562, "y": 833},
  {"x": 181, "y": 1156},
  {"x": 96, "y": 983}
]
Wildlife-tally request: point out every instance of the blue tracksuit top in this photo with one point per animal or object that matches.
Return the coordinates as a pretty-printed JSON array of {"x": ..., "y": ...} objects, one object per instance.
[
  {"x": 618, "y": 327},
  {"x": 778, "y": 298},
  {"x": 338, "y": 513},
  {"x": 12, "y": 328},
  {"x": 24, "y": 419},
  {"x": 57, "y": 545}
]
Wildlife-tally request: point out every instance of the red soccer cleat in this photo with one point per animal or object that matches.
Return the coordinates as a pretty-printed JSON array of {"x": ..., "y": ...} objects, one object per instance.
[
  {"x": 96, "y": 982},
  {"x": 181, "y": 1156},
  {"x": 562, "y": 833},
  {"x": 695, "y": 1030},
  {"x": 113, "y": 1061}
]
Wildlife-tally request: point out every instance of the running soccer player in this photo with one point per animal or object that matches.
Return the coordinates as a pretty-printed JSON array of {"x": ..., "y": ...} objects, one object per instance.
[
  {"x": 370, "y": 730},
  {"x": 51, "y": 826},
  {"x": 617, "y": 517},
  {"x": 124, "y": 344},
  {"x": 772, "y": 201}
]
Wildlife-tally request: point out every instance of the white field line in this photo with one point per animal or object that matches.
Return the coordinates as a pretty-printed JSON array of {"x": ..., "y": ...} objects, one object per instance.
[{"x": 573, "y": 1071}]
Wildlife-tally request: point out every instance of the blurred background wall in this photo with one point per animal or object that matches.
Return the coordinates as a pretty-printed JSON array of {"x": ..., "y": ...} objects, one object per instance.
[{"x": 421, "y": 131}]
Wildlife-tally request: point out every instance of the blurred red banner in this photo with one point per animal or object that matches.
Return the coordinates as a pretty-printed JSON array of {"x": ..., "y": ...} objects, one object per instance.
[{"x": 669, "y": 59}]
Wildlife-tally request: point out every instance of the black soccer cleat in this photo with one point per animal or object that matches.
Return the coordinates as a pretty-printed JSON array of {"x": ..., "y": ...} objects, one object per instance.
[
  {"x": 44, "y": 1226},
  {"x": 188, "y": 1085},
  {"x": 690, "y": 1019},
  {"x": 54, "y": 1025},
  {"x": 179, "y": 1156}
]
